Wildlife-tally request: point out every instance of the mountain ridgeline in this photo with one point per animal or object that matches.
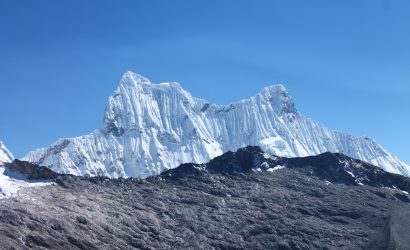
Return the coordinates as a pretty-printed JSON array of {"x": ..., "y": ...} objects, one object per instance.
[
  {"x": 335, "y": 168},
  {"x": 149, "y": 128}
]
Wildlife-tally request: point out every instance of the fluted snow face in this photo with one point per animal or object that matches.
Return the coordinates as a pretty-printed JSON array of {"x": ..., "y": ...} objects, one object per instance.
[
  {"x": 5, "y": 155},
  {"x": 152, "y": 127}
]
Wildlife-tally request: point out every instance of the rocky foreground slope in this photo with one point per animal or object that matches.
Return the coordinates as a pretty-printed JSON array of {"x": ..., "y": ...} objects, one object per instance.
[
  {"x": 242, "y": 200},
  {"x": 149, "y": 128}
]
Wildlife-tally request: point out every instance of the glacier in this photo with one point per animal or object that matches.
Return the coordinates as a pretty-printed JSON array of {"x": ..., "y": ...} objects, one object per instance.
[{"x": 148, "y": 128}]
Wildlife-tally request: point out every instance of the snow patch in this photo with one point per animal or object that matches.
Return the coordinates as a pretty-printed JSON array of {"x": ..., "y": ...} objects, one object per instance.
[
  {"x": 350, "y": 173},
  {"x": 275, "y": 168},
  {"x": 10, "y": 184},
  {"x": 264, "y": 165}
]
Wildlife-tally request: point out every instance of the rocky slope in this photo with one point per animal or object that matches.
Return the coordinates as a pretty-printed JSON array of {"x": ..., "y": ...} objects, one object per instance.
[
  {"x": 241, "y": 200},
  {"x": 149, "y": 128}
]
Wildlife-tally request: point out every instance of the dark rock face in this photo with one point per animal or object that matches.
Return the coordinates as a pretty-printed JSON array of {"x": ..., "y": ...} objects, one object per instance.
[
  {"x": 339, "y": 168},
  {"x": 30, "y": 170},
  {"x": 332, "y": 167},
  {"x": 111, "y": 127},
  {"x": 226, "y": 204}
]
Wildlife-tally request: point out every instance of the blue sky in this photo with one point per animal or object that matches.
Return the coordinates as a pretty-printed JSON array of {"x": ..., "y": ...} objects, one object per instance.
[{"x": 346, "y": 63}]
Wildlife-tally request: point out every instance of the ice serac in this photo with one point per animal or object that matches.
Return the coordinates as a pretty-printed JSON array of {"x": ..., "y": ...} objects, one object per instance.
[
  {"x": 5, "y": 155},
  {"x": 152, "y": 127}
]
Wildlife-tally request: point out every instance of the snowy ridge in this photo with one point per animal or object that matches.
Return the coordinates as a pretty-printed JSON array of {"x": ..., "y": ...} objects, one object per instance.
[
  {"x": 152, "y": 127},
  {"x": 5, "y": 155}
]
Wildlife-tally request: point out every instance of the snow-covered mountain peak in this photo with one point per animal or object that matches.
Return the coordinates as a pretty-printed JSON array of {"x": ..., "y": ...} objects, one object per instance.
[
  {"x": 138, "y": 103},
  {"x": 278, "y": 97},
  {"x": 275, "y": 88},
  {"x": 152, "y": 127},
  {"x": 5, "y": 155},
  {"x": 131, "y": 81},
  {"x": 131, "y": 78}
]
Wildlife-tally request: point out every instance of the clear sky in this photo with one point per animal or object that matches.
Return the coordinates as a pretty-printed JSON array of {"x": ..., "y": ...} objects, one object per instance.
[{"x": 346, "y": 63}]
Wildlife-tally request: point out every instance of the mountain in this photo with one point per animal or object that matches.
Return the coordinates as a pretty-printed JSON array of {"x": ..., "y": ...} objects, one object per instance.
[
  {"x": 5, "y": 155},
  {"x": 246, "y": 199},
  {"x": 150, "y": 127}
]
